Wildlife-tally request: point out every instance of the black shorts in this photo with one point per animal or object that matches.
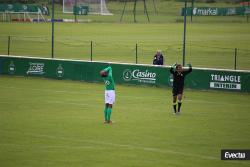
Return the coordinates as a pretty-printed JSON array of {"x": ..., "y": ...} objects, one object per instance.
[{"x": 177, "y": 90}]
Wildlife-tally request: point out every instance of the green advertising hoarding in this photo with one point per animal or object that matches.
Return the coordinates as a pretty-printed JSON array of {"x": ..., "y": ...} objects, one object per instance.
[
  {"x": 215, "y": 11},
  {"x": 123, "y": 73},
  {"x": 23, "y": 8}
]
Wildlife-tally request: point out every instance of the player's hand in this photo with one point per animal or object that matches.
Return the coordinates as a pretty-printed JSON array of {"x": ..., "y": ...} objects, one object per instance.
[
  {"x": 189, "y": 65},
  {"x": 174, "y": 65}
]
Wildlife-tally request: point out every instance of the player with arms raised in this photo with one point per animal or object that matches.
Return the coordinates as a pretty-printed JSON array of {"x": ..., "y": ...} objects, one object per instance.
[
  {"x": 106, "y": 74},
  {"x": 178, "y": 85}
]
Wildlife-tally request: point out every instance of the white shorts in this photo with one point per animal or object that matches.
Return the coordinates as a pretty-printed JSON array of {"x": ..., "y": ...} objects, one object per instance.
[{"x": 109, "y": 96}]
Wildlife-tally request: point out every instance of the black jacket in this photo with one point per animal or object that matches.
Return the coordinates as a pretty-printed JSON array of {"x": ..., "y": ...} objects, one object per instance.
[
  {"x": 158, "y": 60},
  {"x": 179, "y": 77}
]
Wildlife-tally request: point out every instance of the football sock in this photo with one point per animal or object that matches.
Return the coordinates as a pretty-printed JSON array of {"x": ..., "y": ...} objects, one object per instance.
[
  {"x": 174, "y": 106},
  {"x": 106, "y": 114},
  {"x": 179, "y": 106},
  {"x": 109, "y": 110}
]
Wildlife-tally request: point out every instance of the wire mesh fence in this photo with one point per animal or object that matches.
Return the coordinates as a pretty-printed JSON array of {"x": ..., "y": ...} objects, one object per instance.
[{"x": 200, "y": 55}]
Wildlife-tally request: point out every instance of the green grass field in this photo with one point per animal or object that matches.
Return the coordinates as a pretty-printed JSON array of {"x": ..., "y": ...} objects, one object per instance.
[
  {"x": 56, "y": 123},
  {"x": 60, "y": 123}
]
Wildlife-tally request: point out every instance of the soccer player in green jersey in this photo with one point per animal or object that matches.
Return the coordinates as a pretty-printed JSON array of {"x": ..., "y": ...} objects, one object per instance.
[{"x": 106, "y": 74}]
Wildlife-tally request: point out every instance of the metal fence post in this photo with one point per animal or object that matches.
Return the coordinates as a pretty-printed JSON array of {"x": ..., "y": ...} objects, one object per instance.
[
  {"x": 91, "y": 50},
  {"x": 184, "y": 34},
  {"x": 136, "y": 53},
  {"x": 52, "y": 31},
  {"x": 235, "y": 58},
  {"x": 8, "y": 45}
]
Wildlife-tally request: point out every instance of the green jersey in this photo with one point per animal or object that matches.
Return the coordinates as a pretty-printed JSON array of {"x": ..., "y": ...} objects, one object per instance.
[{"x": 108, "y": 80}]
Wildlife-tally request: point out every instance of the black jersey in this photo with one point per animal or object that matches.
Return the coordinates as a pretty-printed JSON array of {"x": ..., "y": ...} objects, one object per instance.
[{"x": 179, "y": 77}]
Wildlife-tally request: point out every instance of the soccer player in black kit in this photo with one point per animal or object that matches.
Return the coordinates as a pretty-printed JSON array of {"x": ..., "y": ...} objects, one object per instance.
[{"x": 178, "y": 84}]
